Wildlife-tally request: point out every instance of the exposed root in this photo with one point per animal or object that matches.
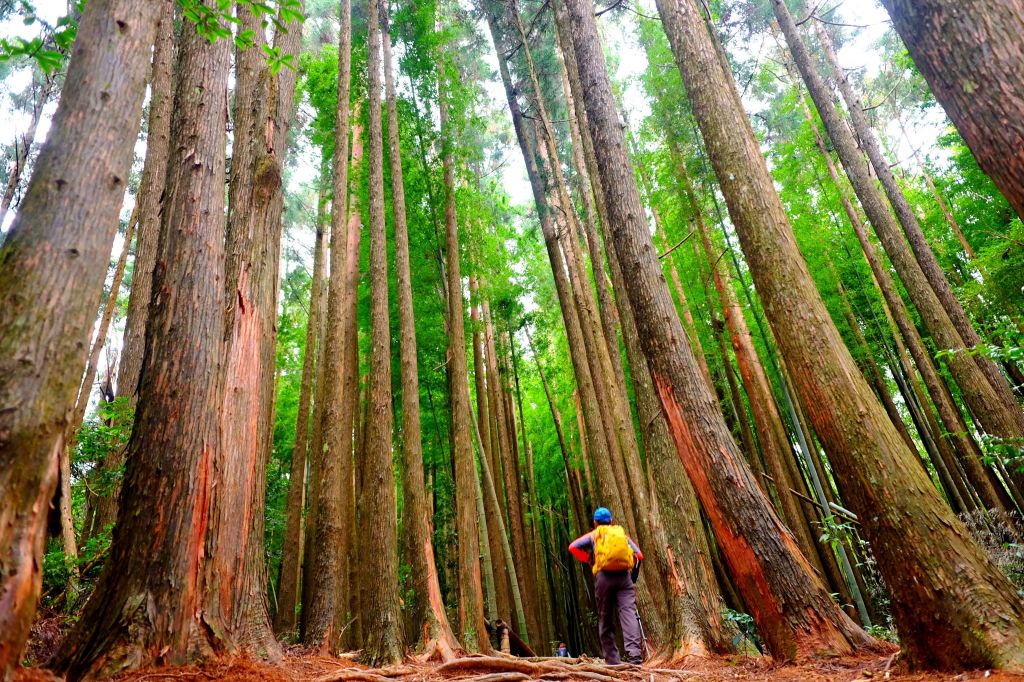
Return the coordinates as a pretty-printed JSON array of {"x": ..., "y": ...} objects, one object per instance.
[
  {"x": 353, "y": 676},
  {"x": 579, "y": 675},
  {"x": 500, "y": 677},
  {"x": 436, "y": 650}
]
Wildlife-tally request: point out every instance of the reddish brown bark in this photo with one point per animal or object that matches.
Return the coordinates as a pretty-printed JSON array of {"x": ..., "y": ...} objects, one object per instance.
[
  {"x": 236, "y": 565},
  {"x": 764, "y": 559},
  {"x": 380, "y": 613},
  {"x": 51, "y": 277},
  {"x": 328, "y": 577},
  {"x": 993, "y": 413},
  {"x": 915, "y": 237},
  {"x": 427, "y": 614},
  {"x": 150, "y": 200},
  {"x": 472, "y": 632},
  {"x": 291, "y": 553},
  {"x": 923, "y": 551},
  {"x": 149, "y": 604},
  {"x": 953, "y": 422}
]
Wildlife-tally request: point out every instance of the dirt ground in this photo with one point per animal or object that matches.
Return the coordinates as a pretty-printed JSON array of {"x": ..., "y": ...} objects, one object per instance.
[{"x": 301, "y": 667}]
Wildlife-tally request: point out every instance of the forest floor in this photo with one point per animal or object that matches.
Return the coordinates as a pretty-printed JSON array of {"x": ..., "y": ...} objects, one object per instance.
[{"x": 300, "y": 667}]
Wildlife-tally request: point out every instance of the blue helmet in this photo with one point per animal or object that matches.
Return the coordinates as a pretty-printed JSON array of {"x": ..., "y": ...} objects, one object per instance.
[{"x": 602, "y": 515}]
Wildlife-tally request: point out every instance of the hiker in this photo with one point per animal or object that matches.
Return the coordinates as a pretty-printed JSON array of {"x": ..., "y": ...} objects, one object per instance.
[
  {"x": 562, "y": 651},
  {"x": 614, "y": 556}
]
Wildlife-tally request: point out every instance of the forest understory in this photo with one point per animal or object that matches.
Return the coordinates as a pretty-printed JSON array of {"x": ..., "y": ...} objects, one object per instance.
[{"x": 369, "y": 340}]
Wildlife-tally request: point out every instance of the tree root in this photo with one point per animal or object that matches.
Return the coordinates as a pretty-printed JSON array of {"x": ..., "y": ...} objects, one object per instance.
[
  {"x": 353, "y": 676},
  {"x": 500, "y": 677}
]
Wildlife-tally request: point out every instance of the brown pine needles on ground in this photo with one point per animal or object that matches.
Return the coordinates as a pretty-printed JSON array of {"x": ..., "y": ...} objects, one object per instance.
[{"x": 299, "y": 666}]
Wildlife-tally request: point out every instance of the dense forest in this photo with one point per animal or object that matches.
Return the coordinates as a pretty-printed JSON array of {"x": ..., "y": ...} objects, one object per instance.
[{"x": 325, "y": 327}]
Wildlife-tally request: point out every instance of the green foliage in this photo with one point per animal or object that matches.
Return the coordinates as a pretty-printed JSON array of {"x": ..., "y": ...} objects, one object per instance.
[
  {"x": 746, "y": 632},
  {"x": 99, "y": 437},
  {"x": 51, "y": 46}
]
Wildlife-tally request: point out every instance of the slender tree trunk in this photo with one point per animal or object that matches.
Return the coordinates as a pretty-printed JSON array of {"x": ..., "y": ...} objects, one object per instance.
[
  {"x": 328, "y": 574},
  {"x": 473, "y": 633},
  {"x": 148, "y": 207},
  {"x": 428, "y": 607},
  {"x": 915, "y": 236},
  {"x": 943, "y": 38},
  {"x": 923, "y": 551},
  {"x": 692, "y": 605},
  {"x": 155, "y": 577},
  {"x": 764, "y": 559},
  {"x": 487, "y": 479},
  {"x": 592, "y": 430},
  {"x": 51, "y": 278},
  {"x": 381, "y": 616},
  {"x": 486, "y": 387},
  {"x": 967, "y": 451},
  {"x": 291, "y": 553},
  {"x": 994, "y": 414}
]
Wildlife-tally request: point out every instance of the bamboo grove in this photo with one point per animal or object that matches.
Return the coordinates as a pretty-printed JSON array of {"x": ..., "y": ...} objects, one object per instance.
[{"x": 331, "y": 323}]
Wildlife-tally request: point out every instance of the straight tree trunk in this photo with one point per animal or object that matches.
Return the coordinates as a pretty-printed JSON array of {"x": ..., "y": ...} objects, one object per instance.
[
  {"x": 148, "y": 607},
  {"x": 958, "y": 437},
  {"x": 944, "y": 39},
  {"x": 262, "y": 114},
  {"x": 381, "y": 614},
  {"x": 994, "y": 415},
  {"x": 764, "y": 559},
  {"x": 486, "y": 382},
  {"x": 51, "y": 278},
  {"x": 472, "y": 632},
  {"x": 150, "y": 201},
  {"x": 428, "y": 613},
  {"x": 693, "y": 605},
  {"x": 328, "y": 576},
  {"x": 944, "y": 588},
  {"x": 915, "y": 236},
  {"x": 291, "y": 553}
]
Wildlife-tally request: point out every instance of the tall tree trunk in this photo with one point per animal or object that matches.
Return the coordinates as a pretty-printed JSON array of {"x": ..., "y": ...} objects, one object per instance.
[
  {"x": 993, "y": 413},
  {"x": 472, "y": 632},
  {"x": 764, "y": 560},
  {"x": 262, "y": 113},
  {"x": 328, "y": 576},
  {"x": 486, "y": 385},
  {"x": 428, "y": 607},
  {"x": 692, "y": 605},
  {"x": 944, "y": 588},
  {"x": 944, "y": 39},
  {"x": 506, "y": 467},
  {"x": 294, "y": 538},
  {"x": 915, "y": 236},
  {"x": 593, "y": 429},
  {"x": 381, "y": 615},
  {"x": 958, "y": 437},
  {"x": 149, "y": 604},
  {"x": 150, "y": 202},
  {"x": 51, "y": 278}
]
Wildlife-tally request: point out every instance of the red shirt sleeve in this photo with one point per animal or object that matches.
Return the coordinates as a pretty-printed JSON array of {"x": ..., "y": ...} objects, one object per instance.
[{"x": 583, "y": 548}]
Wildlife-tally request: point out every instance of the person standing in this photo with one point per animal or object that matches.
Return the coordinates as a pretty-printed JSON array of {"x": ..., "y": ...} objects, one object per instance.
[{"x": 615, "y": 558}]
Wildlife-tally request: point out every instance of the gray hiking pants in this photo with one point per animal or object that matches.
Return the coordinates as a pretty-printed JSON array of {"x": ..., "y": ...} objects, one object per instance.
[{"x": 615, "y": 593}]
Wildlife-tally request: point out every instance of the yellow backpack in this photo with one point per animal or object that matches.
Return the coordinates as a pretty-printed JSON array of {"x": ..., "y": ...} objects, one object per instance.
[{"x": 611, "y": 549}]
